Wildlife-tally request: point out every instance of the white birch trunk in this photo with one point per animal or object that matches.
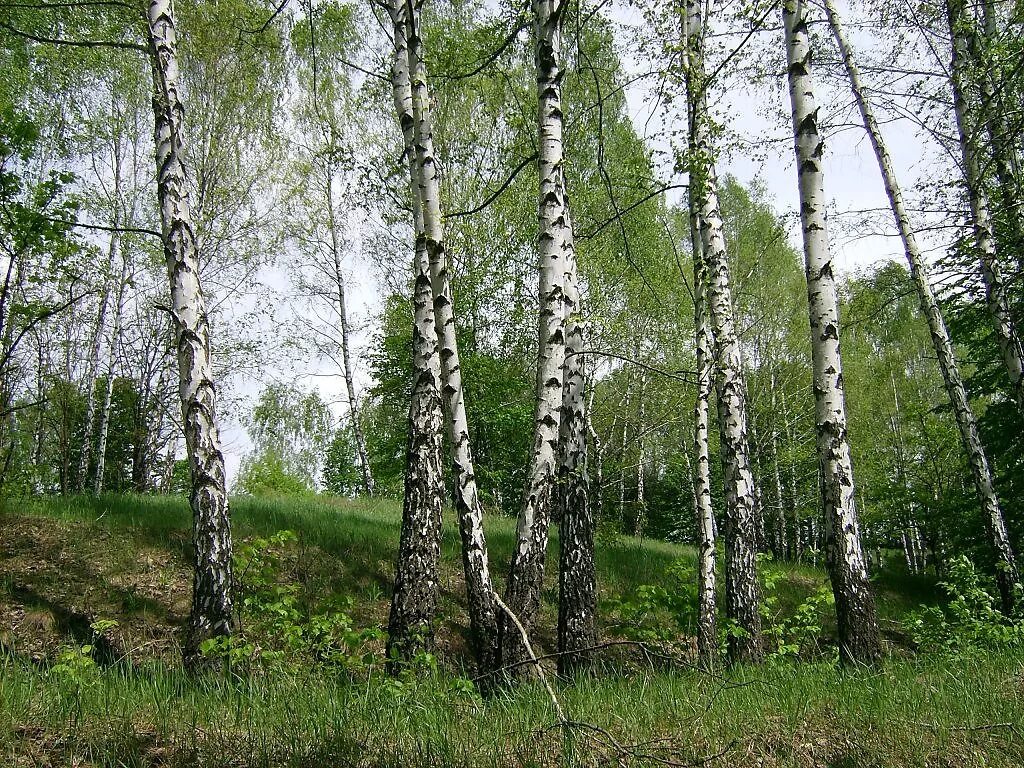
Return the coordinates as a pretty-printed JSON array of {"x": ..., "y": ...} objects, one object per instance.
[
  {"x": 577, "y": 579},
  {"x": 707, "y": 602},
  {"x": 859, "y": 640},
  {"x": 211, "y": 611},
  {"x": 554, "y": 247},
  {"x": 966, "y": 422},
  {"x": 742, "y": 595},
  {"x": 417, "y": 574},
  {"x": 480, "y": 590}
]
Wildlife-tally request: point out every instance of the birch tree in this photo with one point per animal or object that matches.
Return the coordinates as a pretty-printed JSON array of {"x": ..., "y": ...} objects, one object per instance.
[
  {"x": 742, "y": 598},
  {"x": 981, "y": 473},
  {"x": 554, "y": 248},
  {"x": 859, "y": 640},
  {"x": 417, "y": 577},
  {"x": 479, "y": 588},
  {"x": 211, "y": 610},
  {"x": 577, "y": 580}
]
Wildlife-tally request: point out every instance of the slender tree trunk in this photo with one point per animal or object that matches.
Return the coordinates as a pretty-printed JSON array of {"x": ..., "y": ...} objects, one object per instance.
[
  {"x": 778, "y": 534},
  {"x": 991, "y": 269},
  {"x": 417, "y": 576},
  {"x": 640, "y": 515},
  {"x": 112, "y": 342},
  {"x": 707, "y": 601},
  {"x": 554, "y": 249},
  {"x": 992, "y": 512},
  {"x": 859, "y": 641},
  {"x": 94, "y": 356},
  {"x": 742, "y": 596},
  {"x": 479, "y": 588},
  {"x": 211, "y": 612},
  {"x": 577, "y": 579},
  {"x": 346, "y": 333}
]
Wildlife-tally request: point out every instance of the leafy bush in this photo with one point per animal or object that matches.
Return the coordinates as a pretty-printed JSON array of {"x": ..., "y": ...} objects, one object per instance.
[
  {"x": 277, "y": 629},
  {"x": 969, "y": 620}
]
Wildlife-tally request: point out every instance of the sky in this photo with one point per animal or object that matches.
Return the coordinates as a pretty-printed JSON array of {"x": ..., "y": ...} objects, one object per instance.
[{"x": 755, "y": 113}]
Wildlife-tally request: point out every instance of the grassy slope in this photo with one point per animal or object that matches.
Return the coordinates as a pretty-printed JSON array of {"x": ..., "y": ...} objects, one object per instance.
[{"x": 65, "y": 563}]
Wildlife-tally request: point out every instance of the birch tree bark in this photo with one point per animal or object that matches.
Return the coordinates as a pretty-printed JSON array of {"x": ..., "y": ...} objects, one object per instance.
[
  {"x": 417, "y": 576},
  {"x": 211, "y": 610},
  {"x": 991, "y": 269},
  {"x": 479, "y": 588},
  {"x": 577, "y": 578},
  {"x": 981, "y": 473},
  {"x": 859, "y": 641},
  {"x": 554, "y": 247},
  {"x": 742, "y": 597},
  {"x": 707, "y": 602}
]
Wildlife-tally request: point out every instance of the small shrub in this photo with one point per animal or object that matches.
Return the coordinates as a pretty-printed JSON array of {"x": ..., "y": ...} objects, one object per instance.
[{"x": 969, "y": 620}]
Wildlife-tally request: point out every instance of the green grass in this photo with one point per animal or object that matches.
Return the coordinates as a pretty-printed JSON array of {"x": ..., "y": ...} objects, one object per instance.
[{"x": 66, "y": 562}]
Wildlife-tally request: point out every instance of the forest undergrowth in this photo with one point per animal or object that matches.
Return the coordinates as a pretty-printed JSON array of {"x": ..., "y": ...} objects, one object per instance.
[{"x": 94, "y": 593}]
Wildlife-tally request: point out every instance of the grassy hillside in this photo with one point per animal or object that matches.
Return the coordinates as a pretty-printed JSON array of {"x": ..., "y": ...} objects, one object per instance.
[{"x": 66, "y": 564}]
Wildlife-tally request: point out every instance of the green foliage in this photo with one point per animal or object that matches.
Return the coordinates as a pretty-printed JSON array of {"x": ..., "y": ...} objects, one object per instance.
[
  {"x": 266, "y": 474},
  {"x": 659, "y": 612},
  {"x": 969, "y": 621},
  {"x": 277, "y": 629}
]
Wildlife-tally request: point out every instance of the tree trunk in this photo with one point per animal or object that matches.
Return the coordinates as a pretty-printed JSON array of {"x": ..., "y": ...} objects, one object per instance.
[
  {"x": 94, "y": 352},
  {"x": 417, "y": 576},
  {"x": 778, "y": 533},
  {"x": 211, "y": 611},
  {"x": 991, "y": 270},
  {"x": 742, "y": 595},
  {"x": 577, "y": 579},
  {"x": 112, "y": 342},
  {"x": 859, "y": 641},
  {"x": 992, "y": 512},
  {"x": 479, "y": 588},
  {"x": 346, "y": 355},
  {"x": 554, "y": 249},
  {"x": 707, "y": 602}
]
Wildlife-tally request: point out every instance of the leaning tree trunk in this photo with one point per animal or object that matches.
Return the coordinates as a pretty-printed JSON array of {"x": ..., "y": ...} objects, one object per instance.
[
  {"x": 859, "y": 640},
  {"x": 577, "y": 579},
  {"x": 479, "y": 588},
  {"x": 211, "y": 611},
  {"x": 742, "y": 595},
  {"x": 417, "y": 574},
  {"x": 1007, "y": 574},
  {"x": 554, "y": 248},
  {"x": 991, "y": 269}
]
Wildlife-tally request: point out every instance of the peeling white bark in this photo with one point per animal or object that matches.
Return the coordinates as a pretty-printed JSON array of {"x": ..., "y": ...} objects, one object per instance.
[
  {"x": 482, "y": 611},
  {"x": 211, "y": 611},
  {"x": 742, "y": 597},
  {"x": 554, "y": 248},
  {"x": 417, "y": 576},
  {"x": 855, "y": 605}
]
